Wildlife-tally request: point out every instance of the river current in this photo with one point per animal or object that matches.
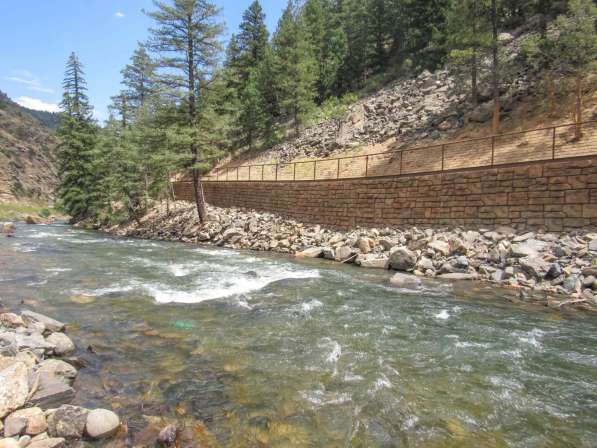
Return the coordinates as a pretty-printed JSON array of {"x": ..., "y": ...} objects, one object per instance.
[{"x": 268, "y": 351}]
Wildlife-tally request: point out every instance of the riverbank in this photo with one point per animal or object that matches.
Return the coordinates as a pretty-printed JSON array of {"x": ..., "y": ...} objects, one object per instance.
[
  {"x": 552, "y": 269},
  {"x": 37, "y": 373}
]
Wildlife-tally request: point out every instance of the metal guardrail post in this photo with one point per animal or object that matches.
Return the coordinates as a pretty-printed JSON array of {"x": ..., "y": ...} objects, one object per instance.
[
  {"x": 553, "y": 144},
  {"x": 276, "y": 172},
  {"x": 367, "y": 166},
  {"x": 338, "y": 170},
  {"x": 401, "y": 160},
  {"x": 314, "y": 169},
  {"x": 262, "y": 170},
  {"x": 492, "y": 150},
  {"x": 294, "y": 171},
  {"x": 443, "y": 156}
]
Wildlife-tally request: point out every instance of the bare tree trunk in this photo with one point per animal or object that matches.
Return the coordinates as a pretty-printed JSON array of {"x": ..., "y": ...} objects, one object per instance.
[
  {"x": 551, "y": 94},
  {"x": 474, "y": 87},
  {"x": 494, "y": 69},
  {"x": 578, "y": 114}
]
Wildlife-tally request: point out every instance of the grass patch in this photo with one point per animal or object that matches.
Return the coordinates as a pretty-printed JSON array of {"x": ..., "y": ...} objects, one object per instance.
[{"x": 14, "y": 211}]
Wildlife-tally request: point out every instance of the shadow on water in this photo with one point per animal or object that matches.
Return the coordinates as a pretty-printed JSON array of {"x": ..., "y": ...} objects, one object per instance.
[{"x": 253, "y": 350}]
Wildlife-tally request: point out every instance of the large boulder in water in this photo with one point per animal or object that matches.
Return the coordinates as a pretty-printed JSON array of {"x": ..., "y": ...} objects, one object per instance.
[{"x": 8, "y": 228}]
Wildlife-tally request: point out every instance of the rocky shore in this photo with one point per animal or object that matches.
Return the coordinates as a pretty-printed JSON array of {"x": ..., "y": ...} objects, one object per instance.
[
  {"x": 552, "y": 269},
  {"x": 37, "y": 371}
]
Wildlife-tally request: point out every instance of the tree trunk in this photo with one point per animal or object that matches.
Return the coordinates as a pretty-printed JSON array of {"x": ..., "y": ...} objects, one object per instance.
[
  {"x": 578, "y": 114},
  {"x": 551, "y": 94},
  {"x": 494, "y": 71},
  {"x": 197, "y": 187}
]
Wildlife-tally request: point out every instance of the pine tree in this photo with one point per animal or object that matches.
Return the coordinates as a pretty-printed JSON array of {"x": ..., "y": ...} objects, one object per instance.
[
  {"x": 139, "y": 79},
  {"x": 77, "y": 192},
  {"x": 186, "y": 38},
  {"x": 296, "y": 71},
  {"x": 252, "y": 39}
]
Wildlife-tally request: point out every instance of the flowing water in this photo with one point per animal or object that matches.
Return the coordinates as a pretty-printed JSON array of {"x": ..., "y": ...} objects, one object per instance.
[{"x": 268, "y": 351}]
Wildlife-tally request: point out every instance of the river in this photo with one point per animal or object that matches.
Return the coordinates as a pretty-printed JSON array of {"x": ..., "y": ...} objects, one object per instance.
[{"x": 269, "y": 351}]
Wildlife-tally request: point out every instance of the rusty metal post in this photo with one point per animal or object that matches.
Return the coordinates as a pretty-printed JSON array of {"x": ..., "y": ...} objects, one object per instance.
[
  {"x": 276, "y": 172},
  {"x": 553, "y": 144},
  {"x": 492, "y": 150},
  {"x": 367, "y": 166},
  {"x": 237, "y": 174},
  {"x": 262, "y": 170},
  {"x": 338, "y": 170},
  {"x": 443, "y": 156},
  {"x": 314, "y": 169},
  {"x": 401, "y": 159},
  {"x": 294, "y": 171}
]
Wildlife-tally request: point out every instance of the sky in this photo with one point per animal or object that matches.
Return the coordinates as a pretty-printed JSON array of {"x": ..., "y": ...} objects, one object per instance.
[{"x": 36, "y": 37}]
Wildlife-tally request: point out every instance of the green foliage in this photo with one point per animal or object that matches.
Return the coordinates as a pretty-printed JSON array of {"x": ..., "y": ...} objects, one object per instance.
[
  {"x": 45, "y": 212},
  {"x": 333, "y": 107}
]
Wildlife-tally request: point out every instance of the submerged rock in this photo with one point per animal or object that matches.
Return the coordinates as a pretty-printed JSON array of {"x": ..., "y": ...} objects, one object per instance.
[
  {"x": 405, "y": 280},
  {"x": 312, "y": 252}
]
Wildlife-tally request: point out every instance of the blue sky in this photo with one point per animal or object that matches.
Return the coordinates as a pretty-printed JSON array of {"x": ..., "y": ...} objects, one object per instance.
[{"x": 36, "y": 37}]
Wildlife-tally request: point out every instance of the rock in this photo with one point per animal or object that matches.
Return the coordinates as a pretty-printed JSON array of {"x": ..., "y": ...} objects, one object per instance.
[
  {"x": 461, "y": 262},
  {"x": 8, "y": 228},
  {"x": 50, "y": 442},
  {"x": 56, "y": 371},
  {"x": 457, "y": 246},
  {"x": 372, "y": 261},
  {"x": 459, "y": 276},
  {"x": 24, "y": 441},
  {"x": 402, "y": 259},
  {"x": 230, "y": 233},
  {"x": 593, "y": 246},
  {"x": 14, "y": 426},
  {"x": 14, "y": 388},
  {"x": 50, "y": 324},
  {"x": 425, "y": 264},
  {"x": 505, "y": 37},
  {"x": 497, "y": 276},
  {"x": 312, "y": 252},
  {"x": 482, "y": 113},
  {"x": 101, "y": 423},
  {"x": 364, "y": 245},
  {"x": 11, "y": 320},
  {"x": 529, "y": 248},
  {"x": 9, "y": 443},
  {"x": 67, "y": 421},
  {"x": 52, "y": 394},
  {"x": 167, "y": 436},
  {"x": 400, "y": 280},
  {"x": 29, "y": 219},
  {"x": 386, "y": 243},
  {"x": 343, "y": 253},
  {"x": 63, "y": 345},
  {"x": 440, "y": 246},
  {"x": 83, "y": 299},
  {"x": 329, "y": 253},
  {"x": 536, "y": 267},
  {"x": 34, "y": 418},
  {"x": 554, "y": 271}
]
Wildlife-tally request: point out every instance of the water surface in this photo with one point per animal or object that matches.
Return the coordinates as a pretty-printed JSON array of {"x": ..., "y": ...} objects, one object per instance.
[{"x": 269, "y": 351}]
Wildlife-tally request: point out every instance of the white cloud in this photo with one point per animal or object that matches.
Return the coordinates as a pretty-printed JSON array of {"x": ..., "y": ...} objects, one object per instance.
[
  {"x": 35, "y": 104},
  {"x": 119, "y": 14},
  {"x": 30, "y": 81}
]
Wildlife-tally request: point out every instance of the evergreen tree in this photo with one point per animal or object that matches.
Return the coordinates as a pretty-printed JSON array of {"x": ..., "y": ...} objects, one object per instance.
[
  {"x": 78, "y": 190},
  {"x": 252, "y": 39},
  {"x": 296, "y": 73},
  {"x": 186, "y": 38},
  {"x": 139, "y": 79}
]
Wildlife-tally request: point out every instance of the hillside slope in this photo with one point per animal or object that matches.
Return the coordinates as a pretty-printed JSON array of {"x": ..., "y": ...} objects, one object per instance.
[
  {"x": 27, "y": 158},
  {"x": 428, "y": 109}
]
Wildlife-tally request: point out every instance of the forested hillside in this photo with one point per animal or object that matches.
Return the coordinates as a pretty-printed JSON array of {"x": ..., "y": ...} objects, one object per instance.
[
  {"x": 27, "y": 155},
  {"x": 186, "y": 102}
]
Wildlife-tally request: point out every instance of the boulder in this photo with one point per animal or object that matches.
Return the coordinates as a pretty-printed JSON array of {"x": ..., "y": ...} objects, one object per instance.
[
  {"x": 364, "y": 244},
  {"x": 34, "y": 418},
  {"x": 14, "y": 426},
  {"x": 534, "y": 266},
  {"x": 14, "y": 388},
  {"x": 68, "y": 422},
  {"x": 400, "y": 280},
  {"x": 52, "y": 394},
  {"x": 312, "y": 252},
  {"x": 63, "y": 344},
  {"x": 329, "y": 253},
  {"x": 50, "y": 324},
  {"x": 343, "y": 253},
  {"x": 230, "y": 233},
  {"x": 101, "y": 423},
  {"x": 372, "y": 261},
  {"x": 459, "y": 276},
  {"x": 9, "y": 443},
  {"x": 529, "y": 248},
  {"x": 440, "y": 246},
  {"x": 11, "y": 320},
  {"x": 56, "y": 371},
  {"x": 402, "y": 259},
  {"x": 49, "y": 442}
]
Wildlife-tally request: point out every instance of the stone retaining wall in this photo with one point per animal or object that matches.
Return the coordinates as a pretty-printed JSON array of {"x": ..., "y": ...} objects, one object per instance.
[{"x": 555, "y": 195}]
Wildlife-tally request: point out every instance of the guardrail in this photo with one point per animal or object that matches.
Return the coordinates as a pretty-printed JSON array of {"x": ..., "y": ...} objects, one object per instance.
[{"x": 550, "y": 143}]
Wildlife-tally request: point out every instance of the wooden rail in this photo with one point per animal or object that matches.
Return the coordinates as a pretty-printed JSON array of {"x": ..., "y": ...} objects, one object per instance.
[{"x": 549, "y": 143}]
